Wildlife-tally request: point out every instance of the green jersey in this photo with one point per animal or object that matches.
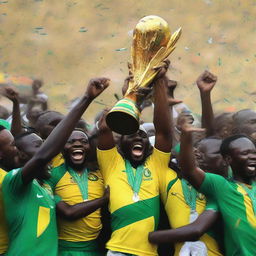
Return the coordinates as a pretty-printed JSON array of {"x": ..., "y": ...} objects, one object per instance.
[
  {"x": 236, "y": 209},
  {"x": 31, "y": 217}
]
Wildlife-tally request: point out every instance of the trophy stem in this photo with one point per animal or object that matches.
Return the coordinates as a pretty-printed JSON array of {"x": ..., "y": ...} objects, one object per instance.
[{"x": 124, "y": 116}]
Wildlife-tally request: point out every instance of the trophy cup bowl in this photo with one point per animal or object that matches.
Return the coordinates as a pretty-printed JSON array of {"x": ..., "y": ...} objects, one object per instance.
[{"x": 152, "y": 44}]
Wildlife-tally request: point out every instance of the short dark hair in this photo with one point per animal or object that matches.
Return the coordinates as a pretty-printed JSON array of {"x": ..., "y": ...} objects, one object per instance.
[
  {"x": 23, "y": 134},
  {"x": 224, "y": 147}
]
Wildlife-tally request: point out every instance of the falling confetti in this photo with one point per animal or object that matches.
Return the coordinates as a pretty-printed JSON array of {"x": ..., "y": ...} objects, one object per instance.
[
  {"x": 219, "y": 62},
  {"x": 121, "y": 49},
  {"x": 83, "y": 29},
  {"x": 210, "y": 40}
]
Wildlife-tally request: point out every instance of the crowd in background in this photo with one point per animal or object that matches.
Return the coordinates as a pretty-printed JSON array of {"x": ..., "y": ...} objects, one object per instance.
[{"x": 178, "y": 186}]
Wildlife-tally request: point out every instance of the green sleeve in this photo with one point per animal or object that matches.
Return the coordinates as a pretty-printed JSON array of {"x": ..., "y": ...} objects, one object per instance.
[
  {"x": 211, "y": 205},
  {"x": 57, "y": 199},
  {"x": 212, "y": 185}
]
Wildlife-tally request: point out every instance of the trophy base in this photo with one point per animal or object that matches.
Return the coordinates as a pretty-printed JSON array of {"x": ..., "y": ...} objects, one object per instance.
[
  {"x": 124, "y": 117},
  {"x": 122, "y": 123}
]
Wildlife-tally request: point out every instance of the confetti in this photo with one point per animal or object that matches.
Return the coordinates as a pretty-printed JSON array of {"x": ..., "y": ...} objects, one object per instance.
[
  {"x": 83, "y": 29},
  {"x": 121, "y": 49},
  {"x": 210, "y": 40}
]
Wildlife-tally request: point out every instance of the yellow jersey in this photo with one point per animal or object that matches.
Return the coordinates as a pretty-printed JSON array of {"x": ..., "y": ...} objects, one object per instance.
[
  {"x": 132, "y": 220},
  {"x": 64, "y": 186},
  {"x": 178, "y": 211}
]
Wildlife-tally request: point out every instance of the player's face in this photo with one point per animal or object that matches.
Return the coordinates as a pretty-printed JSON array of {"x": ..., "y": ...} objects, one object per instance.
[
  {"x": 8, "y": 152},
  {"x": 77, "y": 148},
  {"x": 243, "y": 158},
  {"x": 28, "y": 145},
  {"x": 135, "y": 146},
  {"x": 209, "y": 158}
]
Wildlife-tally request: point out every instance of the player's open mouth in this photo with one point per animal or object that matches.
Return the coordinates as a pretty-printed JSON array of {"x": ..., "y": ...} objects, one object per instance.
[
  {"x": 77, "y": 154},
  {"x": 251, "y": 167},
  {"x": 137, "y": 149}
]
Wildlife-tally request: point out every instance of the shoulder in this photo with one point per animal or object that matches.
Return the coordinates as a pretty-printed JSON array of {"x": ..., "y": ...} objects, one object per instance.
[{"x": 56, "y": 174}]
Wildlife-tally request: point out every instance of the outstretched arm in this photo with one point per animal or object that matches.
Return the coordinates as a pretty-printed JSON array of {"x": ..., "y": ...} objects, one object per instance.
[
  {"x": 105, "y": 139},
  {"x": 191, "y": 232},
  {"x": 80, "y": 210},
  {"x": 205, "y": 82},
  {"x": 57, "y": 139},
  {"x": 13, "y": 95},
  {"x": 189, "y": 171},
  {"x": 162, "y": 119}
]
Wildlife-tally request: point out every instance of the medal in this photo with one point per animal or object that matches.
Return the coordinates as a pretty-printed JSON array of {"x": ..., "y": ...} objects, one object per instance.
[
  {"x": 134, "y": 179},
  {"x": 135, "y": 197},
  {"x": 190, "y": 195},
  {"x": 193, "y": 216}
]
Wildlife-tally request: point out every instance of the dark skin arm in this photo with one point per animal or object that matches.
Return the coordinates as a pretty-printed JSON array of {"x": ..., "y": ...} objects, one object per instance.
[
  {"x": 58, "y": 137},
  {"x": 190, "y": 232},
  {"x": 13, "y": 96},
  {"x": 80, "y": 210},
  {"x": 189, "y": 170},
  {"x": 162, "y": 120},
  {"x": 205, "y": 82},
  {"x": 105, "y": 139}
]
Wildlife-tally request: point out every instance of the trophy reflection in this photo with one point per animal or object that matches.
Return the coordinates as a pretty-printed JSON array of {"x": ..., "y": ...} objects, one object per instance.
[{"x": 152, "y": 44}]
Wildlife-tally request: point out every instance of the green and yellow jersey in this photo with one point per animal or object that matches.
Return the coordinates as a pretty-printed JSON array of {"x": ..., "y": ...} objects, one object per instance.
[
  {"x": 132, "y": 220},
  {"x": 65, "y": 186},
  {"x": 57, "y": 161},
  {"x": 237, "y": 213},
  {"x": 31, "y": 217},
  {"x": 178, "y": 210},
  {"x": 3, "y": 228}
]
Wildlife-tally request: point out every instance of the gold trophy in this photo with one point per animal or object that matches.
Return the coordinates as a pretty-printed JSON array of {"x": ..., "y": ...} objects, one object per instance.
[{"x": 152, "y": 44}]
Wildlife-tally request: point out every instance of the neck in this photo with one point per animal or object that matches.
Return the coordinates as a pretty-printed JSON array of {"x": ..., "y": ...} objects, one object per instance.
[
  {"x": 78, "y": 168},
  {"x": 247, "y": 181}
]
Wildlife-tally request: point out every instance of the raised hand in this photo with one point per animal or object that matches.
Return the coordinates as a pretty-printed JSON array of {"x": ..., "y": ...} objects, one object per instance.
[
  {"x": 206, "y": 81},
  {"x": 162, "y": 69},
  {"x": 187, "y": 127},
  {"x": 96, "y": 86},
  {"x": 10, "y": 93}
]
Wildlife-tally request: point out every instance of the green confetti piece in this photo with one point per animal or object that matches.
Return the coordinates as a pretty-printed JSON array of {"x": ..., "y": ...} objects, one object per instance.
[
  {"x": 121, "y": 49},
  {"x": 83, "y": 29},
  {"x": 50, "y": 52},
  {"x": 219, "y": 62}
]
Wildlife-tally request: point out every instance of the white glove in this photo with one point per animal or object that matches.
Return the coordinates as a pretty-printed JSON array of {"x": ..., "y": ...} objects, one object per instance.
[{"x": 197, "y": 248}]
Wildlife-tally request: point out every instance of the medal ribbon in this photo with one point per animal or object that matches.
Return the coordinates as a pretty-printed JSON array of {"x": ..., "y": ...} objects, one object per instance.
[
  {"x": 190, "y": 195},
  {"x": 81, "y": 180},
  {"x": 252, "y": 194},
  {"x": 134, "y": 180}
]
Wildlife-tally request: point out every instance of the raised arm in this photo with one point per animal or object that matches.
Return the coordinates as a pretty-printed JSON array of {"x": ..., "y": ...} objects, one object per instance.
[
  {"x": 57, "y": 139},
  {"x": 80, "y": 210},
  {"x": 105, "y": 139},
  {"x": 162, "y": 119},
  {"x": 13, "y": 96},
  {"x": 189, "y": 170},
  {"x": 205, "y": 82},
  {"x": 190, "y": 232}
]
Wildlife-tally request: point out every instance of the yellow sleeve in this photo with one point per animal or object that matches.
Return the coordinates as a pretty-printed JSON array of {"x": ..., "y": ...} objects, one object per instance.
[
  {"x": 107, "y": 160},
  {"x": 161, "y": 160}
]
